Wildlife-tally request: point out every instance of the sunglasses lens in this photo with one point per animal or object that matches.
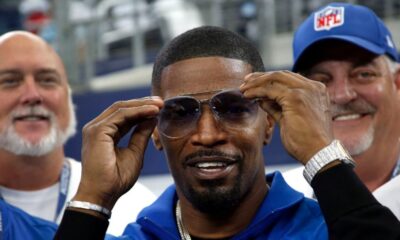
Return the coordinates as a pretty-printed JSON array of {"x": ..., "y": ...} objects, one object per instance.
[
  {"x": 177, "y": 116},
  {"x": 233, "y": 109}
]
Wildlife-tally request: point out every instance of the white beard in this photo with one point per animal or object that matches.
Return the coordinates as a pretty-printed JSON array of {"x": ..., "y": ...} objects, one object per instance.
[
  {"x": 12, "y": 142},
  {"x": 360, "y": 145}
]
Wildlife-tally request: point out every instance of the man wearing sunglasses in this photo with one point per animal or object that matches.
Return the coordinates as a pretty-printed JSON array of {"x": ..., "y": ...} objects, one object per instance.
[{"x": 212, "y": 112}]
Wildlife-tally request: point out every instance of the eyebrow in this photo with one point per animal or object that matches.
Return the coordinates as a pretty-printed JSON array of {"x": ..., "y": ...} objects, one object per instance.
[
  {"x": 201, "y": 93},
  {"x": 208, "y": 92},
  {"x": 40, "y": 71},
  {"x": 48, "y": 70},
  {"x": 9, "y": 71}
]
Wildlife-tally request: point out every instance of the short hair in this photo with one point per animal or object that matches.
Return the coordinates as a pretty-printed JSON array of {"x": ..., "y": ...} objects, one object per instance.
[{"x": 205, "y": 41}]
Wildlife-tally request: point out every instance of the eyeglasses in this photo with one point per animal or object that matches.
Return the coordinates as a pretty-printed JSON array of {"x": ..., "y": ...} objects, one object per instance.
[{"x": 180, "y": 115}]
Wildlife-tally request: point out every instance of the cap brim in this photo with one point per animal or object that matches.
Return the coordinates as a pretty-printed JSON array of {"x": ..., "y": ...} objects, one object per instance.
[{"x": 371, "y": 47}]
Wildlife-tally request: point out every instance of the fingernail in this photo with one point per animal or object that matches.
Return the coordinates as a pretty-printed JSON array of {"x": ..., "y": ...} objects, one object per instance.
[
  {"x": 155, "y": 97},
  {"x": 248, "y": 76}
]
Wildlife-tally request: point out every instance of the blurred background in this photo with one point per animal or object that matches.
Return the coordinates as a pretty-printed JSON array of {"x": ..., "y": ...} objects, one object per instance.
[{"x": 108, "y": 47}]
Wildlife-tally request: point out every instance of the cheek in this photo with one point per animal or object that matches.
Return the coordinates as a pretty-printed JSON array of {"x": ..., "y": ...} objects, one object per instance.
[
  {"x": 6, "y": 107},
  {"x": 375, "y": 94},
  {"x": 251, "y": 141},
  {"x": 9, "y": 100},
  {"x": 57, "y": 102},
  {"x": 8, "y": 103},
  {"x": 173, "y": 149}
]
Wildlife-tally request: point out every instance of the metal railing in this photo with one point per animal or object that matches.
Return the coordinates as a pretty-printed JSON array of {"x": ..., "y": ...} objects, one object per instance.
[{"x": 89, "y": 48}]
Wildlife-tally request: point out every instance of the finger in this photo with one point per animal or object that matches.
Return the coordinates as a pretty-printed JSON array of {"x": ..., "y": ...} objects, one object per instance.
[
  {"x": 153, "y": 100},
  {"x": 253, "y": 75},
  {"x": 130, "y": 158},
  {"x": 140, "y": 137},
  {"x": 121, "y": 121},
  {"x": 272, "y": 108},
  {"x": 271, "y": 99},
  {"x": 275, "y": 92},
  {"x": 287, "y": 78}
]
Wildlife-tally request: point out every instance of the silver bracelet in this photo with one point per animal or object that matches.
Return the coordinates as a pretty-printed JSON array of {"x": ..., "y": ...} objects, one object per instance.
[{"x": 90, "y": 206}]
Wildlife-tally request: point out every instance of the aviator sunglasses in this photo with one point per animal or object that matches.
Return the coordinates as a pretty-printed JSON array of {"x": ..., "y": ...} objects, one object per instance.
[{"x": 180, "y": 115}]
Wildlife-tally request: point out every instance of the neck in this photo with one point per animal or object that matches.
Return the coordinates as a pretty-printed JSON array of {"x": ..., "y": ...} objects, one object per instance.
[
  {"x": 30, "y": 173},
  {"x": 205, "y": 226},
  {"x": 375, "y": 166}
]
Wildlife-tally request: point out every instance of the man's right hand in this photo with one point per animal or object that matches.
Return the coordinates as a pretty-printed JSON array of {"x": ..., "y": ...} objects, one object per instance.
[
  {"x": 108, "y": 170},
  {"x": 299, "y": 105}
]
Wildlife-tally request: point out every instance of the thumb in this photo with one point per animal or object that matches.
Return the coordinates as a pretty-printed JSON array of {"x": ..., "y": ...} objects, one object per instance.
[
  {"x": 140, "y": 136},
  {"x": 272, "y": 108}
]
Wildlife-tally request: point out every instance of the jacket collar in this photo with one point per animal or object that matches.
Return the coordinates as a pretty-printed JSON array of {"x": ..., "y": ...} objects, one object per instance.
[{"x": 160, "y": 216}]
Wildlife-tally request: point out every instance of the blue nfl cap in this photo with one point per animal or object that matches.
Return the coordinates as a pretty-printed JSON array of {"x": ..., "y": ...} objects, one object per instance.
[{"x": 343, "y": 21}]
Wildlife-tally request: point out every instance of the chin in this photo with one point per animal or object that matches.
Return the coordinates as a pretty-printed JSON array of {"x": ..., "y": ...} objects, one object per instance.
[
  {"x": 215, "y": 199},
  {"x": 34, "y": 146},
  {"x": 358, "y": 144}
]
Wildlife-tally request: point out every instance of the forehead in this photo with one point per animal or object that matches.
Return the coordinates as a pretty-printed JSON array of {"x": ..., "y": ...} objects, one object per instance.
[
  {"x": 28, "y": 55},
  {"x": 203, "y": 74}
]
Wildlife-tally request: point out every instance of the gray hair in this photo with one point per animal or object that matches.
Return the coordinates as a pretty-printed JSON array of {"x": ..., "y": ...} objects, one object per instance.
[{"x": 392, "y": 65}]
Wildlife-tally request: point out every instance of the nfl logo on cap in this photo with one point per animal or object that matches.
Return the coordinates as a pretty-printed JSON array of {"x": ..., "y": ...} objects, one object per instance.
[
  {"x": 328, "y": 18},
  {"x": 352, "y": 23}
]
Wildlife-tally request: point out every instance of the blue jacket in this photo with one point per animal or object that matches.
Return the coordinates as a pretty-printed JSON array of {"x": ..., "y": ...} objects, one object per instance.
[
  {"x": 284, "y": 214},
  {"x": 16, "y": 224}
]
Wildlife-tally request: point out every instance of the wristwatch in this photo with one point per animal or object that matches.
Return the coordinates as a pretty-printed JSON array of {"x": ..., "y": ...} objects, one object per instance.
[{"x": 332, "y": 152}]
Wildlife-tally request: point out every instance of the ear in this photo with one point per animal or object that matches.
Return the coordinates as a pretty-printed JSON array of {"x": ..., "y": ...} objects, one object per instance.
[
  {"x": 269, "y": 129},
  {"x": 156, "y": 139},
  {"x": 397, "y": 78}
]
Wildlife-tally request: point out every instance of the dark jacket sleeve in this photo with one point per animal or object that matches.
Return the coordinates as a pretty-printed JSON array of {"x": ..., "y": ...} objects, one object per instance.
[
  {"x": 350, "y": 210},
  {"x": 78, "y": 225}
]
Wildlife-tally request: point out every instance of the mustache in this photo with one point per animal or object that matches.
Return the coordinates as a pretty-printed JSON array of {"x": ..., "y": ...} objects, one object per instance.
[
  {"x": 357, "y": 106},
  {"x": 25, "y": 111},
  {"x": 212, "y": 153}
]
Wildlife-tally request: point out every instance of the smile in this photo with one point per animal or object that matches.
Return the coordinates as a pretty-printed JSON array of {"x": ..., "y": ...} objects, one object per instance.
[
  {"x": 347, "y": 117},
  {"x": 31, "y": 118},
  {"x": 210, "y": 168},
  {"x": 211, "y": 165}
]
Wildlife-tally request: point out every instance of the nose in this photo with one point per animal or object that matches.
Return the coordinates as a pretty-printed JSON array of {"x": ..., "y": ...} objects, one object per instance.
[
  {"x": 341, "y": 91},
  {"x": 31, "y": 93},
  {"x": 208, "y": 132}
]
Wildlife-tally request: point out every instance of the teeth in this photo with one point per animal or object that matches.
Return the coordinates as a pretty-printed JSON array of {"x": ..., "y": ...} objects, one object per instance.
[
  {"x": 210, "y": 165},
  {"x": 347, "y": 117},
  {"x": 30, "y": 118}
]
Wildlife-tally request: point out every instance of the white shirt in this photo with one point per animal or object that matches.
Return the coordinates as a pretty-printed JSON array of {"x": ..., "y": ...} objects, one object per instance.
[
  {"x": 388, "y": 194},
  {"x": 43, "y": 203}
]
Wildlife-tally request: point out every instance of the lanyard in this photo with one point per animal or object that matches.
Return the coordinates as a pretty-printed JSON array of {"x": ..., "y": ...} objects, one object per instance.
[
  {"x": 396, "y": 170},
  {"x": 63, "y": 190},
  {"x": 1, "y": 226},
  {"x": 62, "y": 193}
]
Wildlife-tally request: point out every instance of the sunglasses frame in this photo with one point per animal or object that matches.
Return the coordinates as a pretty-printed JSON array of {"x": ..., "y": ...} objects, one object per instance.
[{"x": 216, "y": 114}]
